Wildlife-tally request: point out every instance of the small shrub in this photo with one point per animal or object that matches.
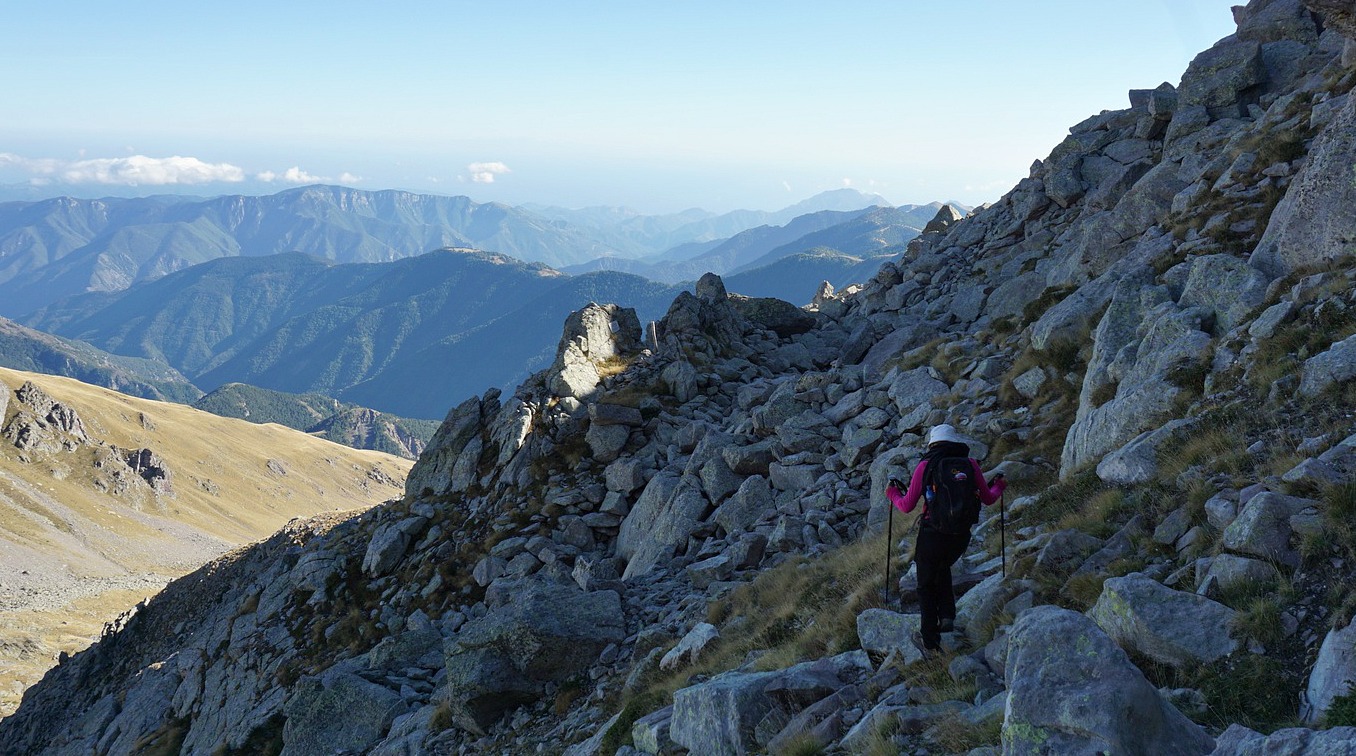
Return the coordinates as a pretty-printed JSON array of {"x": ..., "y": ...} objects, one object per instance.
[
  {"x": 1103, "y": 394},
  {"x": 955, "y": 734},
  {"x": 1048, "y": 298},
  {"x": 1260, "y": 620},
  {"x": 1341, "y": 712},
  {"x": 804, "y": 744},
  {"x": 619, "y": 734},
  {"x": 1253, "y": 690}
]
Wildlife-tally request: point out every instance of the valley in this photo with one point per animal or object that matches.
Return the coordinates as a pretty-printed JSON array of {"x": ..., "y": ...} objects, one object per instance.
[{"x": 88, "y": 534}]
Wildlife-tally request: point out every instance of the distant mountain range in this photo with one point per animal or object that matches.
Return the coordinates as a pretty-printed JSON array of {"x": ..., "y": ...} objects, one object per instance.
[
  {"x": 33, "y": 351},
  {"x": 189, "y": 296},
  {"x": 323, "y": 416},
  {"x": 55, "y": 248},
  {"x": 411, "y": 337}
]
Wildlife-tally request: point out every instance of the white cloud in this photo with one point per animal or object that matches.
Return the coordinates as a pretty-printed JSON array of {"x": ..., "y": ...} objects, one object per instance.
[
  {"x": 349, "y": 178},
  {"x": 295, "y": 175},
  {"x": 135, "y": 170},
  {"x": 484, "y": 173}
]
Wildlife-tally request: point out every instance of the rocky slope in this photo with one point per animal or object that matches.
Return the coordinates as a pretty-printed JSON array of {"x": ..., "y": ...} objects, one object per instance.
[
  {"x": 676, "y": 545},
  {"x": 104, "y": 498}
]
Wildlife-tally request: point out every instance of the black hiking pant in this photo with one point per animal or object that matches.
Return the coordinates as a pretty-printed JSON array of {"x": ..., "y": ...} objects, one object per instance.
[{"x": 933, "y": 555}]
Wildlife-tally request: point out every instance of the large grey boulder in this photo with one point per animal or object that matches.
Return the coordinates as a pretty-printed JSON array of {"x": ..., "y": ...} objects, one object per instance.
[
  {"x": 1334, "y": 672},
  {"x": 433, "y": 472},
  {"x": 1225, "y": 285},
  {"x": 1292, "y": 741},
  {"x": 1137, "y": 461},
  {"x": 883, "y": 632},
  {"x": 1334, "y": 367},
  {"x": 915, "y": 387},
  {"x": 726, "y": 715},
  {"x": 1173, "y": 627},
  {"x": 592, "y": 336},
  {"x": 505, "y": 658},
  {"x": 1262, "y": 529},
  {"x": 1316, "y": 219},
  {"x": 658, "y": 524},
  {"x": 1217, "y": 77},
  {"x": 1071, "y": 690},
  {"x": 1142, "y": 345},
  {"x": 389, "y": 544},
  {"x": 746, "y": 506},
  {"x": 336, "y": 713}
]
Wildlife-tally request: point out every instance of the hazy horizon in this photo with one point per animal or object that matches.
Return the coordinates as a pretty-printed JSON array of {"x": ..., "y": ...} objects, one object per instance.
[{"x": 658, "y": 109}]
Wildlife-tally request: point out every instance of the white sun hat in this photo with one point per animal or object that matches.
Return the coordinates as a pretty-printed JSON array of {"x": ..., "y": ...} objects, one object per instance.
[{"x": 944, "y": 432}]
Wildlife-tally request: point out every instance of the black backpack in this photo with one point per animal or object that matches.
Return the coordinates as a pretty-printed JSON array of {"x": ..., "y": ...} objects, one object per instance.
[{"x": 952, "y": 495}]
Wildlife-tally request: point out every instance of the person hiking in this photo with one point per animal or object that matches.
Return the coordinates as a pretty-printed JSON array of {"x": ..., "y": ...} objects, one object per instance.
[{"x": 952, "y": 487}]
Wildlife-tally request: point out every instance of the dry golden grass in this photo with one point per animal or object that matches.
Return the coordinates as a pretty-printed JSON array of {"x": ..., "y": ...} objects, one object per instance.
[{"x": 85, "y": 554}]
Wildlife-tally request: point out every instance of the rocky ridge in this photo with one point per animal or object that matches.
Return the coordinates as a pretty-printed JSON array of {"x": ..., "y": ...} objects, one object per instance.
[{"x": 670, "y": 542}]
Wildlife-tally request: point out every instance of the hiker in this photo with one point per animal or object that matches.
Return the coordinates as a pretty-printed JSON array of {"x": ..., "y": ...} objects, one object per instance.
[{"x": 945, "y": 474}]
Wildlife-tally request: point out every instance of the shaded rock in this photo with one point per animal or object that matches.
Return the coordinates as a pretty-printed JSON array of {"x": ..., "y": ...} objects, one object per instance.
[
  {"x": 1293, "y": 741},
  {"x": 1137, "y": 461},
  {"x": 1092, "y": 700},
  {"x": 1169, "y": 626},
  {"x": 690, "y": 648},
  {"x": 1262, "y": 528},
  {"x": 1316, "y": 219},
  {"x": 1336, "y": 366},
  {"x": 1334, "y": 672},
  {"x": 780, "y": 317},
  {"x": 503, "y": 659},
  {"x": 338, "y": 712},
  {"x": 607, "y": 441},
  {"x": 883, "y": 632},
  {"x": 1227, "y": 572},
  {"x": 389, "y": 544},
  {"x": 749, "y": 504}
]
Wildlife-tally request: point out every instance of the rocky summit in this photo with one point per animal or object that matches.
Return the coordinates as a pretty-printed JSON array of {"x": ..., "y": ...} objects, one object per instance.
[{"x": 674, "y": 540}]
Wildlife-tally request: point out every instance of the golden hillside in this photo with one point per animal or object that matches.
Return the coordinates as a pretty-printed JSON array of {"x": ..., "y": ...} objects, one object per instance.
[{"x": 87, "y": 530}]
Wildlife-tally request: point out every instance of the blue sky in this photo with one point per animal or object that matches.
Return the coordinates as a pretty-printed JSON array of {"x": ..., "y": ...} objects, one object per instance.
[{"x": 658, "y": 106}]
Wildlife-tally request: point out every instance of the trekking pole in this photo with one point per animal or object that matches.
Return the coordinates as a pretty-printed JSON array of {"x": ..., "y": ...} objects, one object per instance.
[
  {"x": 889, "y": 544},
  {"x": 1003, "y": 529}
]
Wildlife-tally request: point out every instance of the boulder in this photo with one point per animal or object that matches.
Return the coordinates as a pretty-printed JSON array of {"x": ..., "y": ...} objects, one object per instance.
[
  {"x": 915, "y": 387},
  {"x": 389, "y": 544},
  {"x": 1262, "y": 528},
  {"x": 1029, "y": 384},
  {"x": 548, "y": 632},
  {"x": 780, "y": 317},
  {"x": 659, "y": 524},
  {"x": 1217, "y": 77},
  {"x": 650, "y": 733},
  {"x": 1334, "y": 673},
  {"x": 1225, "y": 285},
  {"x": 1228, "y": 571},
  {"x": 690, "y": 648},
  {"x": 737, "y": 713},
  {"x": 883, "y": 632},
  {"x": 1072, "y": 690},
  {"x": 1137, "y": 461},
  {"x": 1316, "y": 219},
  {"x": 338, "y": 712},
  {"x": 1336, "y": 366},
  {"x": 1172, "y": 627},
  {"x": 746, "y": 506},
  {"x": 1292, "y": 741},
  {"x": 607, "y": 441}
]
